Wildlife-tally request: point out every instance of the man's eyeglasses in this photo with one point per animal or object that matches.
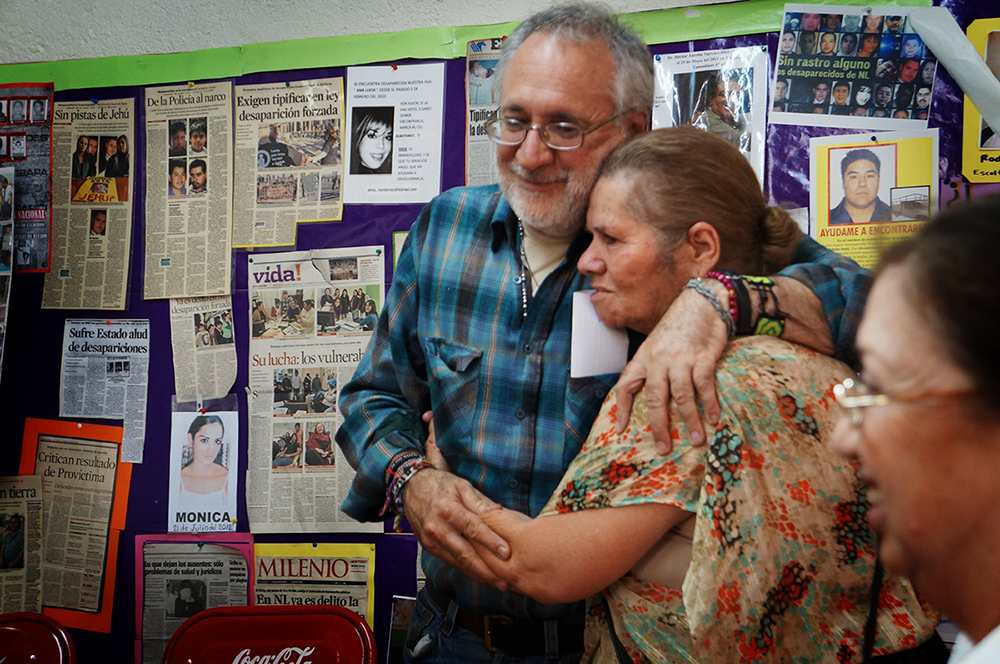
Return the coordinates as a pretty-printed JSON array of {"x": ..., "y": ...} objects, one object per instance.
[
  {"x": 853, "y": 395},
  {"x": 556, "y": 135}
]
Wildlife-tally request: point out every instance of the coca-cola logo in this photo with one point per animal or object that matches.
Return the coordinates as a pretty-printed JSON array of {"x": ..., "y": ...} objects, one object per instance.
[{"x": 286, "y": 656}]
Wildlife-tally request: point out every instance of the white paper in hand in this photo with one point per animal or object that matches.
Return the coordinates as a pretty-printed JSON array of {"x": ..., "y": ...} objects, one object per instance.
[{"x": 597, "y": 348}]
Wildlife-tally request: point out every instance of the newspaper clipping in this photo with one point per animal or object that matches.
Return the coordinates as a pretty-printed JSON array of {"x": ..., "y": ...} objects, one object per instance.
[
  {"x": 481, "y": 160},
  {"x": 78, "y": 481},
  {"x": 202, "y": 336},
  {"x": 7, "y": 233},
  {"x": 182, "y": 579},
  {"x": 105, "y": 369},
  {"x": 395, "y": 119},
  {"x": 312, "y": 314},
  {"x": 189, "y": 185},
  {"x": 26, "y": 140},
  {"x": 316, "y": 574},
  {"x": 91, "y": 206},
  {"x": 289, "y": 159},
  {"x": 21, "y": 544},
  {"x": 722, "y": 92},
  {"x": 203, "y": 454}
]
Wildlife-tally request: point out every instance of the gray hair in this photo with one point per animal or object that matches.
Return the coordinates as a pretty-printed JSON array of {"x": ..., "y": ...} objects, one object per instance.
[{"x": 585, "y": 24}]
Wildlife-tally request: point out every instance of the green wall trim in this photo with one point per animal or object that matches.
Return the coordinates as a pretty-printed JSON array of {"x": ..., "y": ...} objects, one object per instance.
[{"x": 662, "y": 26}]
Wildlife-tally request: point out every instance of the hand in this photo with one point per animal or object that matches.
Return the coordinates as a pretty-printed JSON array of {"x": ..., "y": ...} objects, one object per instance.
[
  {"x": 443, "y": 511},
  {"x": 677, "y": 361},
  {"x": 431, "y": 451}
]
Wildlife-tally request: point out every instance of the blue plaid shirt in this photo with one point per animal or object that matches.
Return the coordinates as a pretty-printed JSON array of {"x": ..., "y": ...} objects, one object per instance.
[{"x": 451, "y": 338}]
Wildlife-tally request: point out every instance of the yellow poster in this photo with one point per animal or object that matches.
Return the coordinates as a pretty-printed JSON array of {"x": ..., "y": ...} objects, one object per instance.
[
  {"x": 872, "y": 190},
  {"x": 980, "y": 144},
  {"x": 317, "y": 575}
]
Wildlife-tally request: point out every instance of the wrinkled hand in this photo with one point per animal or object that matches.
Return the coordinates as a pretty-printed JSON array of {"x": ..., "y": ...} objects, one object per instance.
[
  {"x": 677, "y": 361},
  {"x": 443, "y": 510}
]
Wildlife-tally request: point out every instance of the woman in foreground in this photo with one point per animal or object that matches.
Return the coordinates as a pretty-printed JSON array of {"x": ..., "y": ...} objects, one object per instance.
[
  {"x": 923, "y": 420},
  {"x": 750, "y": 549}
]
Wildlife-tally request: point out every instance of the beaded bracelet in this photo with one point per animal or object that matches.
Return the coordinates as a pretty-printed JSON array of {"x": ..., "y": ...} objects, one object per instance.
[
  {"x": 710, "y": 295},
  {"x": 396, "y": 464},
  {"x": 413, "y": 467},
  {"x": 730, "y": 288}
]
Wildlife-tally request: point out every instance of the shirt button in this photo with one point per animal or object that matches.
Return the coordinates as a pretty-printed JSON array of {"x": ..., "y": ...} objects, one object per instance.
[
  {"x": 512, "y": 484},
  {"x": 517, "y": 279},
  {"x": 519, "y": 413},
  {"x": 527, "y": 348}
]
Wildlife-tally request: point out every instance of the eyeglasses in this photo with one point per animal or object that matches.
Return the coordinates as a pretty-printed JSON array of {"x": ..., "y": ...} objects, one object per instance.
[
  {"x": 556, "y": 135},
  {"x": 853, "y": 395}
]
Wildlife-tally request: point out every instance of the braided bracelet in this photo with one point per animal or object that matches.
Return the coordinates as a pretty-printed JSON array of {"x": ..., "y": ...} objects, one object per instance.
[
  {"x": 413, "y": 467},
  {"x": 396, "y": 464},
  {"x": 710, "y": 295}
]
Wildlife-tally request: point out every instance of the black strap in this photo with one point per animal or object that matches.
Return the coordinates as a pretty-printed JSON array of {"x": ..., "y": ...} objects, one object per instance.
[
  {"x": 870, "y": 625},
  {"x": 620, "y": 651}
]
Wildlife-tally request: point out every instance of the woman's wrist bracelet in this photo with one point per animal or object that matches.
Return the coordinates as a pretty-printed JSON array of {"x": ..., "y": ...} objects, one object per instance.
[{"x": 710, "y": 295}]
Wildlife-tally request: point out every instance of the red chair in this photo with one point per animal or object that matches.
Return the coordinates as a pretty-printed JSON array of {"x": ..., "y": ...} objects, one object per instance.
[
  {"x": 34, "y": 638},
  {"x": 288, "y": 634}
]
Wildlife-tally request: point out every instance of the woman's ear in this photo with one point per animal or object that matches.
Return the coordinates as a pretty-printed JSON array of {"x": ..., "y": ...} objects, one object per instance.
[{"x": 705, "y": 246}]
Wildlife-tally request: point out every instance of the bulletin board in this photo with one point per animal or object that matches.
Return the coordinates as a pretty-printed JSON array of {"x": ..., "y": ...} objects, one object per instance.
[{"x": 30, "y": 378}]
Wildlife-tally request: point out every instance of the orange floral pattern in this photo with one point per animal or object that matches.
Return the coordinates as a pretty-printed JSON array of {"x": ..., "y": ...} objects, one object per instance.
[{"x": 782, "y": 559}]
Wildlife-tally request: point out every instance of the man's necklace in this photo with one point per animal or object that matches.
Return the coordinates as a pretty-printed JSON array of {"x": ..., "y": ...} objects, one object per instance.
[{"x": 525, "y": 271}]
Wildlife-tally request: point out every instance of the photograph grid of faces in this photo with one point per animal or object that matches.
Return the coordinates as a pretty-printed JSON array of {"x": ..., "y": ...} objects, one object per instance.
[
  {"x": 859, "y": 64},
  {"x": 16, "y": 112},
  {"x": 187, "y": 149}
]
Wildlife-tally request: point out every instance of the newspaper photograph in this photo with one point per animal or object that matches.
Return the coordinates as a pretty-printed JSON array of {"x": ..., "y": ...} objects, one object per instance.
[
  {"x": 723, "y": 92},
  {"x": 78, "y": 486},
  {"x": 6, "y": 246},
  {"x": 105, "y": 371},
  {"x": 189, "y": 183},
  {"x": 843, "y": 66},
  {"x": 91, "y": 205},
  {"x": 179, "y": 581},
  {"x": 316, "y": 574},
  {"x": 21, "y": 544},
  {"x": 289, "y": 159},
  {"x": 203, "y": 455},
  {"x": 395, "y": 117},
  {"x": 481, "y": 153},
  {"x": 26, "y": 141},
  {"x": 312, "y": 315},
  {"x": 203, "y": 341}
]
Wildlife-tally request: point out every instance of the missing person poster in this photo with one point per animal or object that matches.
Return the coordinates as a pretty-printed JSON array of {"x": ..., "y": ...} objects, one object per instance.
[
  {"x": 203, "y": 456},
  {"x": 721, "y": 92},
  {"x": 980, "y": 143},
  {"x": 842, "y": 66},
  {"x": 395, "y": 116},
  {"x": 872, "y": 190}
]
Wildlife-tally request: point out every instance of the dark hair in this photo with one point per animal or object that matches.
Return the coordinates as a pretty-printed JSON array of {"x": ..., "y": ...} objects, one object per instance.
[
  {"x": 177, "y": 126},
  {"x": 586, "y": 24},
  {"x": 195, "y": 163},
  {"x": 176, "y": 163},
  {"x": 683, "y": 175},
  {"x": 121, "y": 138},
  {"x": 201, "y": 421},
  {"x": 365, "y": 118},
  {"x": 858, "y": 155},
  {"x": 951, "y": 279}
]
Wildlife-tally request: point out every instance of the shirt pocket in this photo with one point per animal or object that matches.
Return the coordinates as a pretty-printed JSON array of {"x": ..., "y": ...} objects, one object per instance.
[{"x": 454, "y": 383}]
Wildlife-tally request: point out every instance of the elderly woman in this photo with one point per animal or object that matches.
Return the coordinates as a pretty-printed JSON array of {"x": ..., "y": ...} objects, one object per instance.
[
  {"x": 923, "y": 420},
  {"x": 753, "y": 548}
]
